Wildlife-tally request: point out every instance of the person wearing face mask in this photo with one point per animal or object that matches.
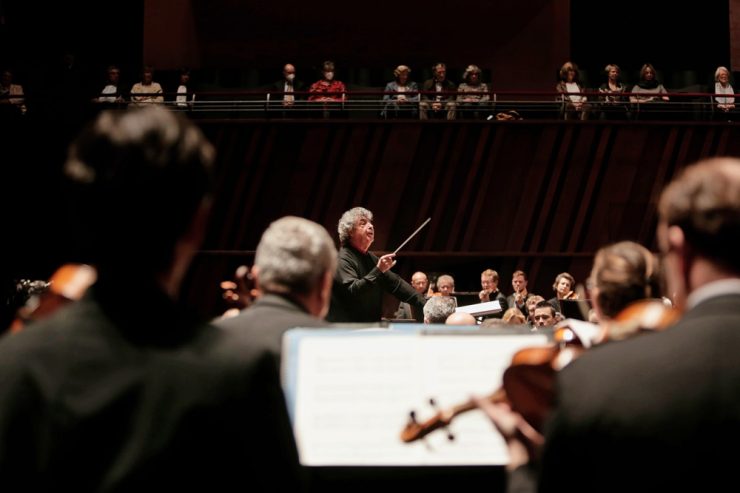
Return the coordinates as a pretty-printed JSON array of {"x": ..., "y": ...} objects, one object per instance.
[
  {"x": 286, "y": 91},
  {"x": 327, "y": 89}
]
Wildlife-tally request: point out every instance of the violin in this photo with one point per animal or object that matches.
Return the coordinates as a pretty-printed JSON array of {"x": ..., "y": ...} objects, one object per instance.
[
  {"x": 642, "y": 316},
  {"x": 416, "y": 431},
  {"x": 240, "y": 292},
  {"x": 529, "y": 381},
  {"x": 67, "y": 284},
  {"x": 570, "y": 295},
  {"x": 528, "y": 387}
]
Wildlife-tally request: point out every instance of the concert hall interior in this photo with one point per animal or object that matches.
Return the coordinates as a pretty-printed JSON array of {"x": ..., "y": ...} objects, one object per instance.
[{"x": 519, "y": 176}]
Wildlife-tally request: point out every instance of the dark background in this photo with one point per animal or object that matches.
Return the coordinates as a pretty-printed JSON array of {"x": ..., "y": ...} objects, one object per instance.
[{"x": 520, "y": 45}]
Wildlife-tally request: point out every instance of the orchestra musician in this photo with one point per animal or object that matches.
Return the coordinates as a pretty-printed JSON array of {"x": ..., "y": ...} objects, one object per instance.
[
  {"x": 126, "y": 390},
  {"x": 293, "y": 270},
  {"x": 68, "y": 283},
  {"x": 518, "y": 299},
  {"x": 490, "y": 292},
  {"x": 655, "y": 412},
  {"x": 627, "y": 275},
  {"x": 564, "y": 287}
]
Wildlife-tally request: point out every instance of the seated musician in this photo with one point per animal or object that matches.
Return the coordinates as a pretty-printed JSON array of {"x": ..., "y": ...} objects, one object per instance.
[
  {"x": 564, "y": 287},
  {"x": 660, "y": 406}
]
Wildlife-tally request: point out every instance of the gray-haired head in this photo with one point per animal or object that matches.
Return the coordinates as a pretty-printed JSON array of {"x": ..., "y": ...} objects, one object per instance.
[
  {"x": 293, "y": 256},
  {"x": 720, "y": 71},
  {"x": 438, "y": 308},
  {"x": 349, "y": 219}
]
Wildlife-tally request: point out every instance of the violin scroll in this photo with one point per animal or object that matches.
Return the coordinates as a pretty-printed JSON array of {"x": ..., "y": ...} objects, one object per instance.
[
  {"x": 67, "y": 284},
  {"x": 415, "y": 430}
]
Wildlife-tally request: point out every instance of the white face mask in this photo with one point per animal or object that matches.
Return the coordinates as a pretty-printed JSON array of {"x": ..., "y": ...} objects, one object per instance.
[
  {"x": 328, "y": 75},
  {"x": 290, "y": 77}
]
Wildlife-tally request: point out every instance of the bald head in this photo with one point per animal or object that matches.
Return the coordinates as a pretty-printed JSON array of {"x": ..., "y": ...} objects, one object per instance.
[
  {"x": 460, "y": 318},
  {"x": 420, "y": 282}
]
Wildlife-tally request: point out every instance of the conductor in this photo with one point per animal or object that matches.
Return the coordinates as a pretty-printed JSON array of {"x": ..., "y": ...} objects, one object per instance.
[{"x": 362, "y": 278}]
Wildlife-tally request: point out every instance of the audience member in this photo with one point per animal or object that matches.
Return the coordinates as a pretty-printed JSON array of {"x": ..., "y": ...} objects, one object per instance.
[
  {"x": 649, "y": 85},
  {"x": 575, "y": 107},
  {"x": 441, "y": 104},
  {"x": 12, "y": 93},
  {"x": 726, "y": 102},
  {"x": 185, "y": 97},
  {"x": 401, "y": 96},
  {"x": 647, "y": 92},
  {"x": 473, "y": 105},
  {"x": 285, "y": 90},
  {"x": 147, "y": 91},
  {"x": 111, "y": 92},
  {"x": 328, "y": 90},
  {"x": 613, "y": 102}
]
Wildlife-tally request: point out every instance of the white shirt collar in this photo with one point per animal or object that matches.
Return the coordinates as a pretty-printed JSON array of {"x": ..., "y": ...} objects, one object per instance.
[{"x": 712, "y": 290}]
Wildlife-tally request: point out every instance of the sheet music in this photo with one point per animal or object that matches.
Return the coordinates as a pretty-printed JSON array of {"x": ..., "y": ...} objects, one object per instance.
[
  {"x": 354, "y": 395},
  {"x": 478, "y": 309}
]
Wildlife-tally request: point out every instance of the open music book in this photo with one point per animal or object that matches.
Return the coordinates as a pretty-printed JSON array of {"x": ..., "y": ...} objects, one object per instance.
[{"x": 350, "y": 393}]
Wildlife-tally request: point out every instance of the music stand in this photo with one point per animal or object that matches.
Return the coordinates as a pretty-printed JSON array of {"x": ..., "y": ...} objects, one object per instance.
[{"x": 576, "y": 309}]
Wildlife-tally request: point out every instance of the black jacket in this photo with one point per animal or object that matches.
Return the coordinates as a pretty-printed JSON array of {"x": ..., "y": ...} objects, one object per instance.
[{"x": 357, "y": 295}]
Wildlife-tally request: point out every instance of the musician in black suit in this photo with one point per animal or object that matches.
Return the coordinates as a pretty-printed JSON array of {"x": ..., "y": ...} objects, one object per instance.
[
  {"x": 126, "y": 390},
  {"x": 661, "y": 412},
  {"x": 489, "y": 283},
  {"x": 294, "y": 267}
]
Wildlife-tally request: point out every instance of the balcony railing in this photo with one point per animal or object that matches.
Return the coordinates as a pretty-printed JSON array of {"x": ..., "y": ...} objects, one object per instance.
[{"x": 499, "y": 105}]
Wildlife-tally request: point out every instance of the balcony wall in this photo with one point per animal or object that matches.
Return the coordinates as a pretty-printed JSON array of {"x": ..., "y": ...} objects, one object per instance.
[{"x": 537, "y": 196}]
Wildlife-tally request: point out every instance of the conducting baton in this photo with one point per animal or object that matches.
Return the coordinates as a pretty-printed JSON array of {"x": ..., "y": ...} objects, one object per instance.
[{"x": 412, "y": 235}]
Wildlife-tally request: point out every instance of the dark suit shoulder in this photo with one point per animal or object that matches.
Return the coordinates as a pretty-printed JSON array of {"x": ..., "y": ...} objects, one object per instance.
[
  {"x": 263, "y": 324},
  {"x": 641, "y": 375},
  {"x": 271, "y": 311}
]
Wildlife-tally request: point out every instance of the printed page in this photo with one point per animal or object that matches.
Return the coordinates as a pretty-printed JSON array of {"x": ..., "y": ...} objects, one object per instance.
[{"x": 353, "y": 396}]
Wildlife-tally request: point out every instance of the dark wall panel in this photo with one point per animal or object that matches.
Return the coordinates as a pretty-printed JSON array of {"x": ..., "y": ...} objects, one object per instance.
[{"x": 540, "y": 196}]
